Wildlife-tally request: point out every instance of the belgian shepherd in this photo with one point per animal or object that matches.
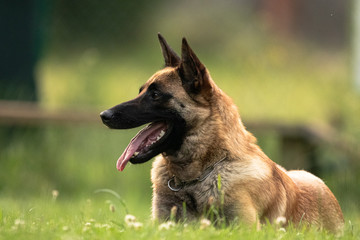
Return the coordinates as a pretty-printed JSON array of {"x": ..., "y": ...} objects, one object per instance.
[{"x": 196, "y": 130}]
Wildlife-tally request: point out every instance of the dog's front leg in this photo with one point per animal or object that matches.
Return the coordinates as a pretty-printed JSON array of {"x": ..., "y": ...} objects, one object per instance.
[
  {"x": 241, "y": 206},
  {"x": 161, "y": 207},
  {"x": 248, "y": 215},
  {"x": 167, "y": 207}
]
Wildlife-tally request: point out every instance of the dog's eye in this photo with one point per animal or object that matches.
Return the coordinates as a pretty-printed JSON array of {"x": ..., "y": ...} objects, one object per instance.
[{"x": 155, "y": 95}]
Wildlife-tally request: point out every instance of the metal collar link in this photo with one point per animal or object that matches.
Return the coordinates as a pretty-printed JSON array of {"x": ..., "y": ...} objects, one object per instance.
[{"x": 175, "y": 188}]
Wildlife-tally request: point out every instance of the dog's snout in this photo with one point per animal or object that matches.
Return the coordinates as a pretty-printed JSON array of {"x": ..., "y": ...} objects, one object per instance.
[{"x": 106, "y": 115}]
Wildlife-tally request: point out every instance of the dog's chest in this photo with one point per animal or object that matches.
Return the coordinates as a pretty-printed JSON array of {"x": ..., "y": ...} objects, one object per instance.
[{"x": 199, "y": 196}]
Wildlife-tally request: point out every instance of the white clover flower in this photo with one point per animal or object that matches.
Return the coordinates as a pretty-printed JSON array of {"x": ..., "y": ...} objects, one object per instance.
[
  {"x": 205, "y": 223},
  {"x": 107, "y": 226},
  {"x": 19, "y": 222},
  {"x": 171, "y": 224},
  {"x": 166, "y": 225},
  {"x": 137, "y": 225},
  {"x": 280, "y": 221},
  {"x": 55, "y": 194},
  {"x": 163, "y": 226},
  {"x": 131, "y": 222},
  {"x": 65, "y": 228},
  {"x": 129, "y": 219}
]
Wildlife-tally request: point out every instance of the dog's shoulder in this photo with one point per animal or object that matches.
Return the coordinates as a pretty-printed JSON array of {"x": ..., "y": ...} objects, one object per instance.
[{"x": 248, "y": 169}]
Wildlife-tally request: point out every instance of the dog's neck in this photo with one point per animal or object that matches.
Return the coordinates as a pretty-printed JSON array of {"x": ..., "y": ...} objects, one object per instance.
[{"x": 208, "y": 142}]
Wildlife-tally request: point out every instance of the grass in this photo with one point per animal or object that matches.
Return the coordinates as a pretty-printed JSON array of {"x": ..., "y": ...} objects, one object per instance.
[
  {"x": 78, "y": 161},
  {"x": 73, "y": 160},
  {"x": 103, "y": 217}
]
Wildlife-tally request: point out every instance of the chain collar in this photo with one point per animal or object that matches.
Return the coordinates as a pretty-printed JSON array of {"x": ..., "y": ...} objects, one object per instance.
[{"x": 175, "y": 188}]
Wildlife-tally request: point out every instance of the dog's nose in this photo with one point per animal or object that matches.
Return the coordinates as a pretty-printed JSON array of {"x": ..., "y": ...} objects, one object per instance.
[{"x": 106, "y": 115}]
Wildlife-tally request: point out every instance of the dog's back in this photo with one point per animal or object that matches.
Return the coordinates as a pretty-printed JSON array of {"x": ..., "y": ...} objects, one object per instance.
[{"x": 316, "y": 204}]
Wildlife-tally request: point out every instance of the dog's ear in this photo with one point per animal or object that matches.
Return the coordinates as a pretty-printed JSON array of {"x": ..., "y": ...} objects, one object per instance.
[
  {"x": 170, "y": 57},
  {"x": 193, "y": 73}
]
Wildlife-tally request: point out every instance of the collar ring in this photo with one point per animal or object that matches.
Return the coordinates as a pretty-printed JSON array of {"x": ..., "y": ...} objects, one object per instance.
[{"x": 172, "y": 185}]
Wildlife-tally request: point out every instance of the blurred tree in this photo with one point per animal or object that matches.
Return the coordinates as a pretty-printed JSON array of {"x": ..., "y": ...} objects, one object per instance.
[
  {"x": 323, "y": 21},
  {"x": 100, "y": 24},
  {"x": 19, "y": 48},
  {"x": 22, "y": 26},
  {"x": 356, "y": 44}
]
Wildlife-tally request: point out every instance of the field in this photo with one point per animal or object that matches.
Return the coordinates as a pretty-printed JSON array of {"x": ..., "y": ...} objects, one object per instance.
[
  {"x": 60, "y": 181},
  {"x": 103, "y": 217}
]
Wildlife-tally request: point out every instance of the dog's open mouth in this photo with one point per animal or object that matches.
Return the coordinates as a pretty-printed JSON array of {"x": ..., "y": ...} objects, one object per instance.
[{"x": 142, "y": 146}]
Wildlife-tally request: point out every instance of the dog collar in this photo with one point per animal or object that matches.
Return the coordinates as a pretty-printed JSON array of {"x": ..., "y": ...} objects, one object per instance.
[{"x": 175, "y": 188}]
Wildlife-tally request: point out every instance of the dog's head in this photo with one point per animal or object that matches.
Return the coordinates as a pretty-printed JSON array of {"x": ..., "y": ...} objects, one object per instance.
[{"x": 174, "y": 100}]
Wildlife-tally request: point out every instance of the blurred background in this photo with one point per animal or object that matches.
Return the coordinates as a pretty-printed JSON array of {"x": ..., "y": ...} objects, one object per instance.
[{"x": 292, "y": 68}]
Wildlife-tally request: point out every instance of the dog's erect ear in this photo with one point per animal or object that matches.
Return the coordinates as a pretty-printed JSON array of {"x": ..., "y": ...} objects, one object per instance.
[
  {"x": 170, "y": 57},
  {"x": 192, "y": 72}
]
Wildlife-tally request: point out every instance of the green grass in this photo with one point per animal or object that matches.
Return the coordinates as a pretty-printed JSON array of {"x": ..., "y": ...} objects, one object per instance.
[
  {"x": 103, "y": 217},
  {"x": 77, "y": 161}
]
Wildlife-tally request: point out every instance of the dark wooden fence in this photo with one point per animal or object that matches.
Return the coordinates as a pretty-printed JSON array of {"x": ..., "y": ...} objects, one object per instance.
[{"x": 31, "y": 113}]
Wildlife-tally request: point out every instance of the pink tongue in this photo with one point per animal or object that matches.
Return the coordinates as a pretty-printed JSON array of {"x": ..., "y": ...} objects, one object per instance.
[{"x": 151, "y": 129}]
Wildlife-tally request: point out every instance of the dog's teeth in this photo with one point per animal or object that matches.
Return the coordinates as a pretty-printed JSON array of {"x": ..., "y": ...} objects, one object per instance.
[
  {"x": 162, "y": 133},
  {"x": 136, "y": 153}
]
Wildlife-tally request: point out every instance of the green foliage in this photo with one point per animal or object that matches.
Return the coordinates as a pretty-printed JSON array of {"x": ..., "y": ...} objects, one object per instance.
[{"x": 77, "y": 24}]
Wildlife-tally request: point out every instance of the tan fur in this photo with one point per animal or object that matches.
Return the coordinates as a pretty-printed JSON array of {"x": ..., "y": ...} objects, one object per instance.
[{"x": 254, "y": 187}]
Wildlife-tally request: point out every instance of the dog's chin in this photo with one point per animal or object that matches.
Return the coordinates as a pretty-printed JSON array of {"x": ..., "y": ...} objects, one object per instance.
[{"x": 144, "y": 157}]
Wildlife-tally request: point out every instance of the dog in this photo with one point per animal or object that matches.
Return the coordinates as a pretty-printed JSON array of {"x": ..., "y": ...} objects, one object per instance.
[{"x": 206, "y": 156}]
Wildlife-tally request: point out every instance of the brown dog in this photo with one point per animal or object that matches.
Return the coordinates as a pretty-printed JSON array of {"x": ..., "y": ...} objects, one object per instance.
[{"x": 197, "y": 130}]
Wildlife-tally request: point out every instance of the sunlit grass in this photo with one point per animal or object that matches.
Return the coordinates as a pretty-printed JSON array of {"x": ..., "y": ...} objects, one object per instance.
[
  {"x": 55, "y": 181},
  {"x": 102, "y": 217}
]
